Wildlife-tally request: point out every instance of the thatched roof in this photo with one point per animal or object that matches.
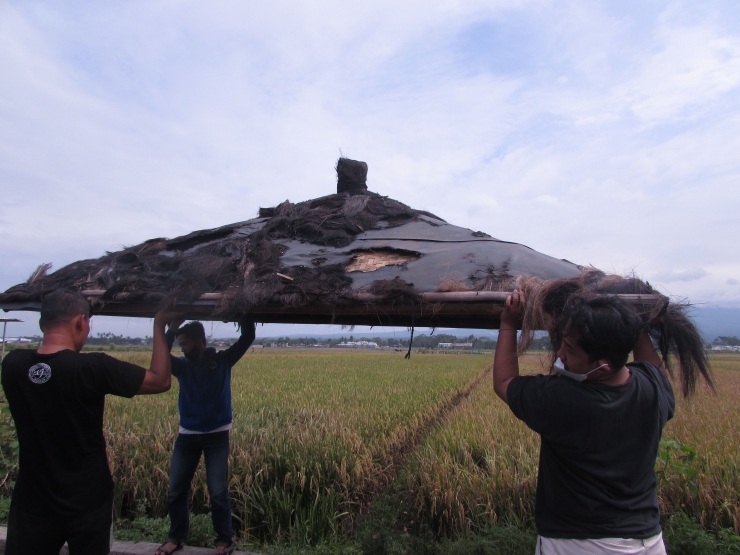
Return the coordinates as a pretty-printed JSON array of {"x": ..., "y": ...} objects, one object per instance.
[{"x": 354, "y": 257}]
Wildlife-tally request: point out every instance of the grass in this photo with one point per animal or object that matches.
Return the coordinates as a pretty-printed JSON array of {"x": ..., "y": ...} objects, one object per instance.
[
  {"x": 682, "y": 536},
  {"x": 154, "y": 530},
  {"x": 480, "y": 467},
  {"x": 316, "y": 432},
  {"x": 710, "y": 423},
  {"x": 313, "y": 436}
]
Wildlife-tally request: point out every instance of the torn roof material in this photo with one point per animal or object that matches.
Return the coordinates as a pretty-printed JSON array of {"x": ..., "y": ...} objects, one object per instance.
[{"x": 354, "y": 257}]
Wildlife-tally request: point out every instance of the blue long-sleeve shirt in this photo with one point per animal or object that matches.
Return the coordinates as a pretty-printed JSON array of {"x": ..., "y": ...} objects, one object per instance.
[{"x": 205, "y": 385}]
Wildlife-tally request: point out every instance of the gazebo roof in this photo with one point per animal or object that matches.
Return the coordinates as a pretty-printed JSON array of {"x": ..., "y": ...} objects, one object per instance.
[{"x": 354, "y": 257}]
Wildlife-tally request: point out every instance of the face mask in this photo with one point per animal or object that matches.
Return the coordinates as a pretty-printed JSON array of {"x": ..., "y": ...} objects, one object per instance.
[{"x": 559, "y": 367}]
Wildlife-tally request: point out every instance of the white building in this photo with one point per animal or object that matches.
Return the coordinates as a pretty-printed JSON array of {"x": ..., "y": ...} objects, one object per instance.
[
  {"x": 358, "y": 345},
  {"x": 454, "y": 346}
]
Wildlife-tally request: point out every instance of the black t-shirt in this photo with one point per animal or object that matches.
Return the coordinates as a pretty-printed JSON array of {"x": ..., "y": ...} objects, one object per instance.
[
  {"x": 57, "y": 402},
  {"x": 597, "y": 457}
]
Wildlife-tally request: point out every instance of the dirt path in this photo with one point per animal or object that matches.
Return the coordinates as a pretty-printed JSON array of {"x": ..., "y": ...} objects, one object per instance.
[{"x": 397, "y": 457}]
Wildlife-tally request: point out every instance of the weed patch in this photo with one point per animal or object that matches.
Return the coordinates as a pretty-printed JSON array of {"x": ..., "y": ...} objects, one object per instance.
[{"x": 154, "y": 530}]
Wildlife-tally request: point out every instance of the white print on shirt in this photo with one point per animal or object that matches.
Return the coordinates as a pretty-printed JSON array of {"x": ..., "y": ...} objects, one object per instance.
[{"x": 39, "y": 373}]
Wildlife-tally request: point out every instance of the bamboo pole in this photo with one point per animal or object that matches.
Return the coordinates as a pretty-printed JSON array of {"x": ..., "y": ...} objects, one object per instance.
[
  {"x": 431, "y": 297},
  {"x": 455, "y": 309}
]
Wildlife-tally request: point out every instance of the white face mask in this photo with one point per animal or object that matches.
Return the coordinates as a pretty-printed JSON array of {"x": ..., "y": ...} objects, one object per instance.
[{"x": 559, "y": 367}]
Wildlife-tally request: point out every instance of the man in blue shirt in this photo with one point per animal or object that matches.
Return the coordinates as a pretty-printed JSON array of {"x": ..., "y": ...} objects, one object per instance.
[{"x": 205, "y": 420}]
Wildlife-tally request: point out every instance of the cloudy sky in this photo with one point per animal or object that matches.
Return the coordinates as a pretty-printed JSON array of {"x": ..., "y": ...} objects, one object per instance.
[{"x": 606, "y": 133}]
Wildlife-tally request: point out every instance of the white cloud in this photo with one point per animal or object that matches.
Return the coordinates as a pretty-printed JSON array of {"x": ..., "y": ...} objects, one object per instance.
[
  {"x": 691, "y": 274},
  {"x": 589, "y": 133},
  {"x": 546, "y": 199},
  {"x": 694, "y": 67}
]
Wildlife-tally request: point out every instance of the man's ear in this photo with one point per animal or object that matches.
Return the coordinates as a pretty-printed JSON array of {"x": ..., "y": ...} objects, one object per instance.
[{"x": 79, "y": 322}]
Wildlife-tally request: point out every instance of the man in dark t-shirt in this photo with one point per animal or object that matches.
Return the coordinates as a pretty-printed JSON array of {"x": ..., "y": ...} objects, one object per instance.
[
  {"x": 600, "y": 421},
  {"x": 56, "y": 396}
]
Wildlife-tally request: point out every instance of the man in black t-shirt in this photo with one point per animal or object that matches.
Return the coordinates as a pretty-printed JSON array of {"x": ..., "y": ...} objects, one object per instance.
[
  {"x": 56, "y": 396},
  {"x": 600, "y": 422}
]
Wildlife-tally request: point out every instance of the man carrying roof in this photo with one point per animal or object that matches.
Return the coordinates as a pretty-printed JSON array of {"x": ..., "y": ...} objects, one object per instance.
[
  {"x": 205, "y": 421},
  {"x": 56, "y": 395},
  {"x": 600, "y": 421}
]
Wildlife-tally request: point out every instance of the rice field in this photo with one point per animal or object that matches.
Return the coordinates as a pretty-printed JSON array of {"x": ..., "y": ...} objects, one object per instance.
[
  {"x": 480, "y": 465},
  {"x": 313, "y": 438},
  {"x": 710, "y": 424},
  {"x": 318, "y": 433}
]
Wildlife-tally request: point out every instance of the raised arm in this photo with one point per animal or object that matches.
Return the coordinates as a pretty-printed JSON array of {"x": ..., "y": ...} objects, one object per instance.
[
  {"x": 171, "y": 334},
  {"x": 237, "y": 350},
  {"x": 505, "y": 360},
  {"x": 158, "y": 377},
  {"x": 645, "y": 350}
]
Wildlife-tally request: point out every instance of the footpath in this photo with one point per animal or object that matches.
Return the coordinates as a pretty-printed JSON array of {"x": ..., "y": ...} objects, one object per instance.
[{"x": 134, "y": 548}]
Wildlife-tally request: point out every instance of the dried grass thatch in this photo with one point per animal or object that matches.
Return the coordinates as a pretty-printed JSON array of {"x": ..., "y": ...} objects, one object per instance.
[
  {"x": 354, "y": 257},
  {"x": 668, "y": 323},
  {"x": 246, "y": 268}
]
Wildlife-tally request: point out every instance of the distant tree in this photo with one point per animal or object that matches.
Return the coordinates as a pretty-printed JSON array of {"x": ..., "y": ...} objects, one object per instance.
[
  {"x": 484, "y": 343},
  {"x": 540, "y": 344},
  {"x": 724, "y": 340}
]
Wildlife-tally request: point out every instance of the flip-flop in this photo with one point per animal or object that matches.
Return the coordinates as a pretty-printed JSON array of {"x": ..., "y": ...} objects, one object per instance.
[
  {"x": 163, "y": 551},
  {"x": 229, "y": 549}
]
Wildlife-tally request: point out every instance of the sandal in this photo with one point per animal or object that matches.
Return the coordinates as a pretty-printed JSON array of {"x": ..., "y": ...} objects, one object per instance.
[
  {"x": 229, "y": 549},
  {"x": 162, "y": 551}
]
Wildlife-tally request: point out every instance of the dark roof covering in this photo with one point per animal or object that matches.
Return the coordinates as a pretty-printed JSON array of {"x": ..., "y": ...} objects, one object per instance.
[{"x": 354, "y": 257}]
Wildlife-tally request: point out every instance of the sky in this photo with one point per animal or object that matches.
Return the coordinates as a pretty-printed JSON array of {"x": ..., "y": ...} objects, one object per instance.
[{"x": 606, "y": 133}]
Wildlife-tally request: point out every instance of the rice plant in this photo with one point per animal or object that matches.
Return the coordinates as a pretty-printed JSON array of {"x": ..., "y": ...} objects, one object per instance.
[
  {"x": 313, "y": 436},
  {"x": 476, "y": 469},
  {"x": 480, "y": 466},
  {"x": 709, "y": 424},
  {"x": 315, "y": 433}
]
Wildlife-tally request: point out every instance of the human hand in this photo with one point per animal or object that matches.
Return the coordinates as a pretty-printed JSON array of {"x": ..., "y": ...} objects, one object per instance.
[
  {"x": 513, "y": 313},
  {"x": 163, "y": 317},
  {"x": 246, "y": 321},
  {"x": 176, "y": 322}
]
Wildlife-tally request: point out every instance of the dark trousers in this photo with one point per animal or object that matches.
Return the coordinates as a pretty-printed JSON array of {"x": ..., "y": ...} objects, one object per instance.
[
  {"x": 185, "y": 458},
  {"x": 86, "y": 534}
]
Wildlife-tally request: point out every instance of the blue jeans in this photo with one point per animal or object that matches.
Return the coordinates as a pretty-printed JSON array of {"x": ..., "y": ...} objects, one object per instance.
[{"x": 185, "y": 459}]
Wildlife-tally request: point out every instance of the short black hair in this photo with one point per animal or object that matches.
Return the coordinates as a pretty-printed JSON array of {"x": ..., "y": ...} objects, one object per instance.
[
  {"x": 605, "y": 327},
  {"x": 193, "y": 330},
  {"x": 61, "y": 306}
]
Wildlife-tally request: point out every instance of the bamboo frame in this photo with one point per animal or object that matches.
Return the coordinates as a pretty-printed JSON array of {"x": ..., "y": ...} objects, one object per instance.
[
  {"x": 458, "y": 309},
  {"x": 433, "y": 297}
]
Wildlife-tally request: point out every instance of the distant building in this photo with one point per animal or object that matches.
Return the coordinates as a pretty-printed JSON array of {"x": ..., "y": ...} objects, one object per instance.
[
  {"x": 725, "y": 348},
  {"x": 358, "y": 345},
  {"x": 18, "y": 340},
  {"x": 455, "y": 346}
]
